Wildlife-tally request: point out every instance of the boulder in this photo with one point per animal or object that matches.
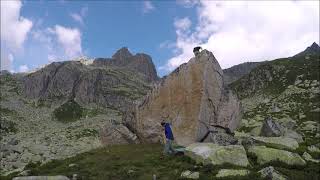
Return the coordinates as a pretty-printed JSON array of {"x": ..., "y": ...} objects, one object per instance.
[
  {"x": 314, "y": 148},
  {"x": 293, "y": 135},
  {"x": 271, "y": 128},
  {"x": 117, "y": 133},
  {"x": 192, "y": 98},
  {"x": 189, "y": 175},
  {"x": 41, "y": 178},
  {"x": 220, "y": 136},
  {"x": 278, "y": 142},
  {"x": 232, "y": 172},
  {"x": 209, "y": 153},
  {"x": 306, "y": 156},
  {"x": 266, "y": 155},
  {"x": 271, "y": 174}
]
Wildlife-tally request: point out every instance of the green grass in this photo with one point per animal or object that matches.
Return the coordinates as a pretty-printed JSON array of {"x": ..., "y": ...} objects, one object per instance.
[
  {"x": 119, "y": 162},
  {"x": 68, "y": 112}
]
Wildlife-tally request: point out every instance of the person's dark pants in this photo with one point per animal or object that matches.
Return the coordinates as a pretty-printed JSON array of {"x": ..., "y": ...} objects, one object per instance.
[{"x": 168, "y": 149}]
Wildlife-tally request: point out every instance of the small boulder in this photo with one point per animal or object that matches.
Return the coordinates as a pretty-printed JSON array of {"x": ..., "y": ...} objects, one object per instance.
[
  {"x": 117, "y": 133},
  {"x": 190, "y": 175},
  {"x": 266, "y": 155},
  {"x": 209, "y": 153},
  {"x": 313, "y": 148},
  {"x": 271, "y": 128},
  {"x": 271, "y": 174},
  {"x": 41, "y": 178},
  {"x": 306, "y": 156},
  {"x": 232, "y": 172},
  {"x": 293, "y": 135}
]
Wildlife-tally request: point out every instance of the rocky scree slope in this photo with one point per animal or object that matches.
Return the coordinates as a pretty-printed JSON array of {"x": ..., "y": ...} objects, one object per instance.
[
  {"x": 281, "y": 102},
  {"x": 59, "y": 110}
]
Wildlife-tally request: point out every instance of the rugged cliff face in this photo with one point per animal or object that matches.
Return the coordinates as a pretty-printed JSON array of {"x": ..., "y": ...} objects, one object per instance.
[
  {"x": 141, "y": 63},
  {"x": 113, "y": 83},
  {"x": 192, "y": 98},
  {"x": 236, "y": 72}
]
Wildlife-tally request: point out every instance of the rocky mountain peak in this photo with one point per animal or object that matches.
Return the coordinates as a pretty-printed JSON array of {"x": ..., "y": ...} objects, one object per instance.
[
  {"x": 313, "y": 49},
  {"x": 122, "y": 54}
]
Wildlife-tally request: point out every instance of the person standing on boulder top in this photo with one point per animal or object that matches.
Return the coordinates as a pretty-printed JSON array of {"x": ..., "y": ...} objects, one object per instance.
[{"x": 168, "y": 149}]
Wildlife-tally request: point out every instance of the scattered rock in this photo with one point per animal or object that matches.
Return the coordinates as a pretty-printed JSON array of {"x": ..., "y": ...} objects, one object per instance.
[
  {"x": 266, "y": 155},
  {"x": 293, "y": 135},
  {"x": 220, "y": 136},
  {"x": 24, "y": 173},
  {"x": 13, "y": 142},
  {"x": 271, "y": 174},
  {"x": 310, "y": 126},
  {"x": 74, "y": 176},
  {"x": 41, "y": 178},
  {"x": 232, "y": 172},
  {"x": 72, "y": 165},
  {"x": 306, "y": 156},
  {"x": 190, "y": 175},
  {"x": 313, "y": 148},
  {"x": 209, "y": 153}
]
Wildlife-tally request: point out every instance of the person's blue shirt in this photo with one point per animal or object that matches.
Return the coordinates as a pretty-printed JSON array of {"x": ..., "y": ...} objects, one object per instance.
[{"x": 168, "y": 131}]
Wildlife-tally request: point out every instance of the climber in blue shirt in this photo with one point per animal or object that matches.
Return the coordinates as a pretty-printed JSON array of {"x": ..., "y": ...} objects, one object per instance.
[{"x": 168, "y": 149}]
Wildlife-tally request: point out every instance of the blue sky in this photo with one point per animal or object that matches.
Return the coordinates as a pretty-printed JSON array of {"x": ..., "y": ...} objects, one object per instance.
[{"x": 35, "y": 33}]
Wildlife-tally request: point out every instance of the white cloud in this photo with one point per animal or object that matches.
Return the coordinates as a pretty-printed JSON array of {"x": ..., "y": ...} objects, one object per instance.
[
  {"x": 23, "y": 68},
  {"x": 77, "y": 17},
  {"x": 237, "y": 31},
  {"x": 14, "y": 28},
  {"x": 6, "y": 62},
  {"x": 70, "y": 40},
  {"x": 182, "y": 24},
  {"x": 147, "y": 7},
  {"x": 187, "y": 3}
]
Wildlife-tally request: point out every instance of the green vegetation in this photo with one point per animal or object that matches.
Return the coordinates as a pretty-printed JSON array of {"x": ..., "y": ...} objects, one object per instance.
[
  {"x": 7, "y": 127},
  {"x": 68, "y": 112},
  {"x": 118, "y": 162},
  {"x": 142, "y": 161},
  {"x": 274, "y": 76},
  {"x": 87, "y": 133}
]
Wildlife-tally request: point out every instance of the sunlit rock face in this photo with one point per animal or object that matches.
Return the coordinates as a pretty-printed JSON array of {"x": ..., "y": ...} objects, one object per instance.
[{"x": 192, "y": 98}]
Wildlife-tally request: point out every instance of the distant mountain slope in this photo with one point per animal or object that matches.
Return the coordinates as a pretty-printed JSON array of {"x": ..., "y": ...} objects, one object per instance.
[
  {"x": 236, "y": 72},
  {"x": 105, "y": 82},
  {"x": 59, "y": 110},
  {"x": 288, "y": 90},
  {"x": 140, "y": 62}
]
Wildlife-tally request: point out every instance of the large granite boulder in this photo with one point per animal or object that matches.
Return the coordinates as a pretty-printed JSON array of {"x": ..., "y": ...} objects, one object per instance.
[
  {"x": 278, "y": 142},
  {"x": 267, "y": 155},
  {"x": 192, "y": 98},
  {"x": 209, "y": 153}
]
